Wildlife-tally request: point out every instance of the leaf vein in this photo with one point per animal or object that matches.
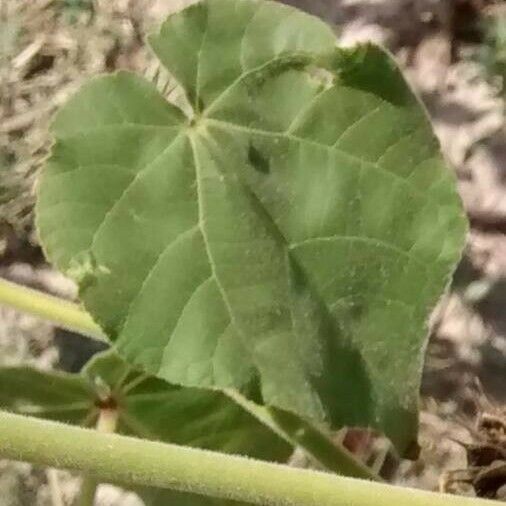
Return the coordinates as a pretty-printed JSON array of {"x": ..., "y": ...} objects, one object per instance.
[
  {"x": 141, "y": 171},
  {"x": 225, "y": 125},
  {"x": 151, "y": 270},
  {"x": 199, "y": 65},
  {"x": 370, "y": 240},
  {"x": 278, "y": 58},
  {"x": 357, "y": 122},
  {"x": 399, "y": 141},
  {"x": 188, "y": 301}
]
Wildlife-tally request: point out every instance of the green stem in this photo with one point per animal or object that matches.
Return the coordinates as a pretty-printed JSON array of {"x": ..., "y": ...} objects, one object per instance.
[
  {"x": 315, "y": 443},
  {"x": 121, "y": 459},
  {"x": 87, "y": 491},
  {"x": 60, "y": 312},
  {"x": 106, "y": 423}
]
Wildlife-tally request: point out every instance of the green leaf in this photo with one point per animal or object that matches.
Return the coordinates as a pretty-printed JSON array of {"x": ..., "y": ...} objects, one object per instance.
[
  {"x": 148, "y": 408},
  {"x": 294, "y": 233},
  {"x": 51, "y": 395}
]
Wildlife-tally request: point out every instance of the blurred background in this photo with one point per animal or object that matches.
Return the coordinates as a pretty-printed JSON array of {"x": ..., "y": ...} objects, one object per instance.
[{"x": 454, "y": 54}]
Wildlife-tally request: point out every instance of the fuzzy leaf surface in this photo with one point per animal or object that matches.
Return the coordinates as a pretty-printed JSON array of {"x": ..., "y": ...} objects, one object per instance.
[{"x": 292, "y": 235}]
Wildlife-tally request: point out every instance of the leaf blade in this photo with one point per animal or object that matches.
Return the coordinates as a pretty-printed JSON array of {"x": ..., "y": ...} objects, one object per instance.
[{"x": 303, "y": 219}]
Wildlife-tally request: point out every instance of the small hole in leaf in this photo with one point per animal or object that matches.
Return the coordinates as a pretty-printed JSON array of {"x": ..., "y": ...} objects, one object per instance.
[{"x": 258, "y": 161}]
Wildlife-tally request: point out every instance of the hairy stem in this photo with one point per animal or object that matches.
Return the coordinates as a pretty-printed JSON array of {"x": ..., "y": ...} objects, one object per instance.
[
  {"x": 120, "y": 459},
  {"x": 59, "y": 311},
  {"x": 106, "y": 423}
]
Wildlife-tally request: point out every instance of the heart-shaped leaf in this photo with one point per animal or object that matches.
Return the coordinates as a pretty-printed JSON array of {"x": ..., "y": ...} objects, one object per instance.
[
  {"x": 293, "y": 232},
  {"x": 147, "y": 407}
]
